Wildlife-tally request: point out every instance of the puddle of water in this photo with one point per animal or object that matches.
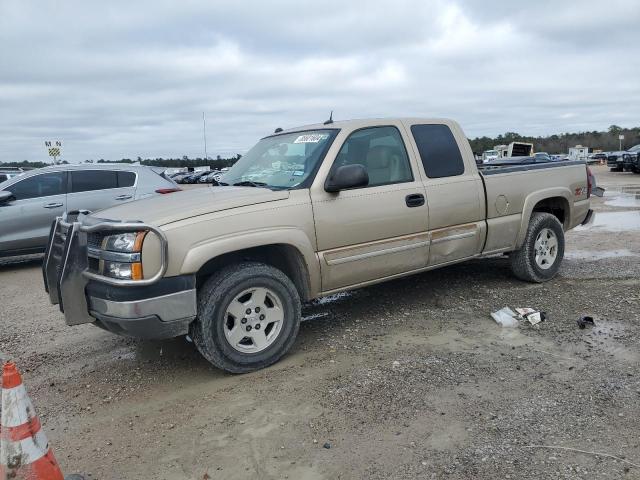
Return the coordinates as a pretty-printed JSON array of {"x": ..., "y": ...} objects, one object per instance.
[
  {"x": 626, "y": 196},
  {"x": 606, "y": 335},
  {"x": 615, "y": 222},
  {"x": 593, "y": 255}
]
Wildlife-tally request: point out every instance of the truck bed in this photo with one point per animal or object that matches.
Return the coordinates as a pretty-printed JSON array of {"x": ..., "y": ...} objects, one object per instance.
[{"x": 510, "y": 198}]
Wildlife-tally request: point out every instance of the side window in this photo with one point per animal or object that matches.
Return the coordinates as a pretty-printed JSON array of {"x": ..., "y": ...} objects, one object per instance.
[
  {"x": 87, "y": 180},
  {"x": 381, "y": 151},
  {"x": 126, "y": 179},
  {"x": 438, "y": 150},
  {"x": 45, "y": 185}
]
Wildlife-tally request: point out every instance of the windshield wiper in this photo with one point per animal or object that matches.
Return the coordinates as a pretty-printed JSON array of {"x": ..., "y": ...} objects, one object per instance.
[{"x": 249, "y": 183}]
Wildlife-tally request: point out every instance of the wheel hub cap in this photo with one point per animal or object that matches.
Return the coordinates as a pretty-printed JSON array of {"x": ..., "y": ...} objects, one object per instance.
[
  {"x": 253, "y": 320},
  {"x": 546, "y": 248}
]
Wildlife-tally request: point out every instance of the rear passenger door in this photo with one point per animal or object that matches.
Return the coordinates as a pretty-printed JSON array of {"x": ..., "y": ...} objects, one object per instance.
[
  {"x": 97, "y": 189},
  {"x": 454, "y": 190}
]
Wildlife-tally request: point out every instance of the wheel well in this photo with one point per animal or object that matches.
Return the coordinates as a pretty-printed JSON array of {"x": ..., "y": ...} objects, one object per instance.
[
  {"x": 285, "y": 258},
  {"x": 557, "y": 206}
]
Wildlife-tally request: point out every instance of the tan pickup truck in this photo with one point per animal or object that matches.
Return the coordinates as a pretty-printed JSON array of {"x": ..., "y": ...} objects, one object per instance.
[{"x": 305, "y": 213}]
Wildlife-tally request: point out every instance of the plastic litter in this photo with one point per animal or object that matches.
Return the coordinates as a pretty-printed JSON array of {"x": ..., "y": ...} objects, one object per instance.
[
  {"x": 505, "y": 317},
  {"x": 508, "y": 318},
  {"x": 532, "y": 315},
  {"x": 584, "y": 321}
]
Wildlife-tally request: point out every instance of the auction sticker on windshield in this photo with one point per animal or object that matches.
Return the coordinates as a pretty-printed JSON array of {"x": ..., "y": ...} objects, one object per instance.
[{"x": 311, "y": 138}]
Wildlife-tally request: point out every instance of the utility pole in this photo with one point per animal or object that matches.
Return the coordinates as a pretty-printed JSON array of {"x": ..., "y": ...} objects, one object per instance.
[{"x": 204, "y": 134}]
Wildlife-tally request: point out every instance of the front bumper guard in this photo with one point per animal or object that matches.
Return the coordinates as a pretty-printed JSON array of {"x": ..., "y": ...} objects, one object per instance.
[{"x": 66, "y": 266}]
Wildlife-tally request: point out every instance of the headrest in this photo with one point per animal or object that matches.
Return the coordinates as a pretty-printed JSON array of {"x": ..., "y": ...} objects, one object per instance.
[{"x": 379, "y": 157}]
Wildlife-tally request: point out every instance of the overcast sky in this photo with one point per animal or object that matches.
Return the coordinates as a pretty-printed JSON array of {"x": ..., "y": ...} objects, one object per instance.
[{"x": 125, "y": 79}]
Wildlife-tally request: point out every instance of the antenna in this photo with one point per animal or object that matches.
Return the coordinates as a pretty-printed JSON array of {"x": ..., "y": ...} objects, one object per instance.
[
  {"x": 277, "y": 130},
  {"x": 330, "y": 121},
  {"x": 204, "y": 134}
]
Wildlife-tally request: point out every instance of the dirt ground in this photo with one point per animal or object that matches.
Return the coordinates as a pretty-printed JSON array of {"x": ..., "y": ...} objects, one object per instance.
[{"x": 408, "y": 379}]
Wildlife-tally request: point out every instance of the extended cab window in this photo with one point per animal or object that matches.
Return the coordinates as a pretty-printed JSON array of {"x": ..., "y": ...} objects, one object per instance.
[
  {"x": 438, "y": 150},
  {"x": 87, "y": 180},
  {"x": 45, "y": 185},
  {"x": 381, "y": 151}
]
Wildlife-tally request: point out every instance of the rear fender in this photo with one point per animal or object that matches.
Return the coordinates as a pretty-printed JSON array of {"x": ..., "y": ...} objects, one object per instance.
[{"x": 536, "y": 197}]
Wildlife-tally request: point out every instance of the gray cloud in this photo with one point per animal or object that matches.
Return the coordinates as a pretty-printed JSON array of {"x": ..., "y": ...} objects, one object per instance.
[{"x": 122, "y": 79}]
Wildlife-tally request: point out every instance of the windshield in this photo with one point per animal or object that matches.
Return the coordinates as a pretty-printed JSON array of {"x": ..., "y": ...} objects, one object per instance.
[
  {"x": 281, "y": 161},
  {"x": 634, "y": 149}
]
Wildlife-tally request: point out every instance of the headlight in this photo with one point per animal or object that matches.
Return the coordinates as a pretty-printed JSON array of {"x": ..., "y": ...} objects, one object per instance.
[
  {"x": 121, "y": 255},
  {"x": 124, "y": 242},
  {"x": 123, "y": 271}
]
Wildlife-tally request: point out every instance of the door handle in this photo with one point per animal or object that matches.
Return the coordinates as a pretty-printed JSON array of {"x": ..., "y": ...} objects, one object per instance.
[
  {"x": 414, "y": 200},
  {"x": 52, "y": 205},
  {"x": 124, "y": 197}
]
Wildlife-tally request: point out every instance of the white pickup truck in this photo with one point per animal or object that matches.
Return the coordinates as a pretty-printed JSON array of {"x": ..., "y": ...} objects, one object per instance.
[{"x": 305, "y": 213}]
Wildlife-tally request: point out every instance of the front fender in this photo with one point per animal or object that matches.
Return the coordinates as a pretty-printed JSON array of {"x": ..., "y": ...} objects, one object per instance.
[{"x": 206, "y": 250}]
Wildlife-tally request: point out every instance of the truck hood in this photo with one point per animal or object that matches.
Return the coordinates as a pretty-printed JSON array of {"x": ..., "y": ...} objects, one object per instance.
[{"x": 163, "y": 209}]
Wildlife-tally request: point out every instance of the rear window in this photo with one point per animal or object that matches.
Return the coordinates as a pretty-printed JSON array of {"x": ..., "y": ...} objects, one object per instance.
[
  {"x": 88, "y": 180},
  {"x": 126, "y": 179},
  {"x": 438, "y": 150}
]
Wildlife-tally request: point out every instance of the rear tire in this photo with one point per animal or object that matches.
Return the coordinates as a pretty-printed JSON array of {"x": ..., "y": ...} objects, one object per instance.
[
  {"x": 248, "y": 317},
  {"x": 540, "y": 256}
]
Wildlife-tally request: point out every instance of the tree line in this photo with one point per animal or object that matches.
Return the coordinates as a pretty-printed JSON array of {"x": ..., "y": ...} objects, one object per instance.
[
  {"x": 216, "y": 164},
  {"x": 605, "y": 141}
]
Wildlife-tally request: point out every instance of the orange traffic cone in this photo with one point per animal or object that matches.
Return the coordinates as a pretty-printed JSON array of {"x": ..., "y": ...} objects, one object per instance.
[{"x": 24, "y": 449}]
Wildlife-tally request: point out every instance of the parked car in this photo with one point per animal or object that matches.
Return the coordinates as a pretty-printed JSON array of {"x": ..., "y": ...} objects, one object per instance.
[
  {"x": 209, "y": 177},
  {"x": 616, "y": 161},
  {"x": 9, "y": 172},
  {"x": 633, "y": 161},
  {"x": 194, "y": 177},
  {"x": 179, "y": 177},
  {"x": 30, "y": 202},
  {"x": 597, "y": 158},
  {"x": 489, "y": 156},
  {"x": 542, "y": 157},
  {"x": 308, "y": 212}
]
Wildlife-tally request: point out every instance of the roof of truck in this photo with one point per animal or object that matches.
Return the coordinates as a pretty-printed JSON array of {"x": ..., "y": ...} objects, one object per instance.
[{"x": 364, "y": 122}]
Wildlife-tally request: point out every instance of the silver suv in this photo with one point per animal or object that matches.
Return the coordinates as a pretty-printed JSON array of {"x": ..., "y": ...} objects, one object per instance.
[{"x": 29, "y": 203}]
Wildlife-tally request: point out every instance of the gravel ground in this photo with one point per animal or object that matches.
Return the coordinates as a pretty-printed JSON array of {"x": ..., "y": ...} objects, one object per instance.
[{"x": 409, "y": 379}]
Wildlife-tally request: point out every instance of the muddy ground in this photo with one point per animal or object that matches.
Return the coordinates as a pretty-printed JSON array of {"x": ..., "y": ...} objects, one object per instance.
[{"x": 409, "y": 379}]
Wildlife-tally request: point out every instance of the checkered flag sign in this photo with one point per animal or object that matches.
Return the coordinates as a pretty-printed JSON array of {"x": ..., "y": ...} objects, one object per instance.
[{"x": 53, "y": 147}]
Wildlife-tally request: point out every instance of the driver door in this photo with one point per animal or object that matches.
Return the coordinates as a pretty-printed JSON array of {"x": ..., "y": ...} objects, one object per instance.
[{"x": 368, "y": 233}]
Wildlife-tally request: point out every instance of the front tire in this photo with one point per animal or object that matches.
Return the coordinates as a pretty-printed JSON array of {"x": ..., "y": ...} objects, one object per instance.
[
  {"x": 541, "y": 254},
  {"x": 248, "y": 317}
]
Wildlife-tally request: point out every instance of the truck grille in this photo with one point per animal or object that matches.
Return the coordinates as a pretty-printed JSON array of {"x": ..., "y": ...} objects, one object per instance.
[{"x": 94, "y": 240}]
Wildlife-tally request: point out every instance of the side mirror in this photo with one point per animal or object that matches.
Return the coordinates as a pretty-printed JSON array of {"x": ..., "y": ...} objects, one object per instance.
[
  {"x": 5, "y": 197},
  {"x": 347, "y": 176}
]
